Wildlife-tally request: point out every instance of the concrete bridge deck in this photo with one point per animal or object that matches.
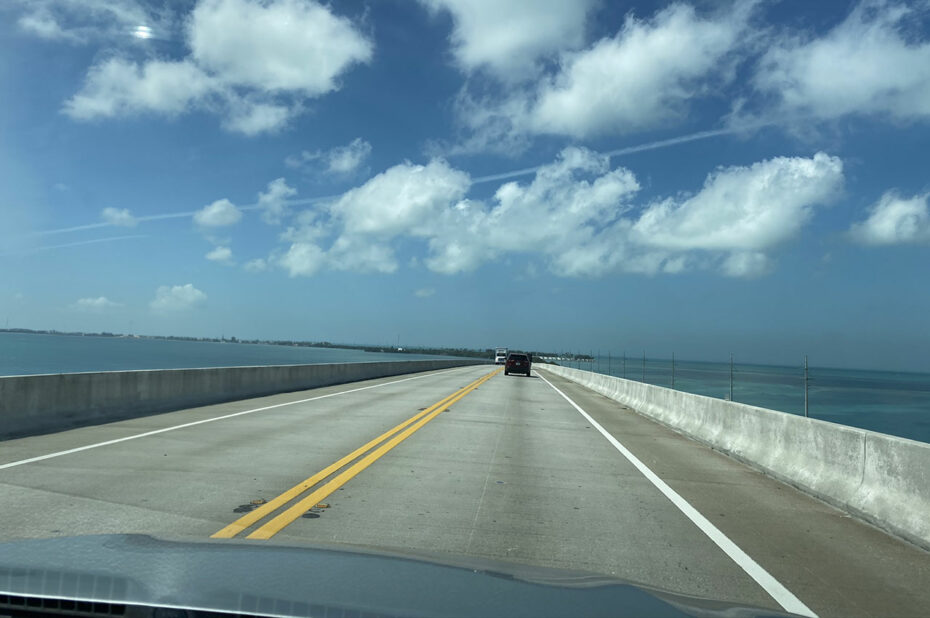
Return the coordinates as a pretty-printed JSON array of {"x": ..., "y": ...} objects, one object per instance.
[{"x": 532, "y": 470}]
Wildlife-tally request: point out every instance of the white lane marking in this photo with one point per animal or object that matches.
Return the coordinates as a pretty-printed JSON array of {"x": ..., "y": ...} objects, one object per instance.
[
  {"x": 772, "y": 586},
  {"x": 208, "y": 420}
]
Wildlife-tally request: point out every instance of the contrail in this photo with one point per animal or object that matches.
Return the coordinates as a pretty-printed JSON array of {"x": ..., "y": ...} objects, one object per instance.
[
  {"x": 76, "y": 244},
  {"x": 313, "y": 200},
  {"x": 170, "y": 215},
  {"x": 673, "y": 141},
  {"x": 77, "y": 228},
  {"x": 664, "y": 143},
  {"x": 178, "y": 215},
  {"x": 100, "y": 224},
  {"x": 526, "y": 171}
]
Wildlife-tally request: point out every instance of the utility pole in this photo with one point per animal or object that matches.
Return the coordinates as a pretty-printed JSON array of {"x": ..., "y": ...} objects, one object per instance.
[
  {"x": 731, "y": 376},
  {"x": 806, "y": 379}
]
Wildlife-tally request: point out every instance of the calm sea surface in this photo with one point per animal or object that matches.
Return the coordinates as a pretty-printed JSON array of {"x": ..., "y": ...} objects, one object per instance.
[
  {"x": 896, "y": 403},
  {"x": 22, "y": 354}
]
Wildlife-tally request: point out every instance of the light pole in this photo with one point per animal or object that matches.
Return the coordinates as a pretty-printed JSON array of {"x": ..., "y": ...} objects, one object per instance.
[
  {"x": 806, "y": 379},
  {"x": 731, "y": 376}
]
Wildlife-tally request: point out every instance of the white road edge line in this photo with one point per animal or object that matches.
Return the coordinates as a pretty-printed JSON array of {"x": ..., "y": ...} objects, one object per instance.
[
  {"x": 772, "y": 586},
  {"x": 22, "y": 462}
]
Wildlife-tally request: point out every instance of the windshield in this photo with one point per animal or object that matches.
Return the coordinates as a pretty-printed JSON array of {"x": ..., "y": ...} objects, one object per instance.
[{"x": 248, "y": 250}]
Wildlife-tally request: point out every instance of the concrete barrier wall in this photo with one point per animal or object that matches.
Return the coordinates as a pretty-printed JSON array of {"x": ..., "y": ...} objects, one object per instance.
[
  {"x": 880, "y": 478},
  {"x": 46, "y": 403}
]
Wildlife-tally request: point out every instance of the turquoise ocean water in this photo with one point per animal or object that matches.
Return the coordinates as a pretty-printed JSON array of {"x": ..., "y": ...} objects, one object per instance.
[
  {"x": 22, "y": 354},
  {"x": 896, "y": 403}
]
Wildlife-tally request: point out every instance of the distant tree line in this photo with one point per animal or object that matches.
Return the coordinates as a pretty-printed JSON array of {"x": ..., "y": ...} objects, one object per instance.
[{"x": 487, "y": 353}]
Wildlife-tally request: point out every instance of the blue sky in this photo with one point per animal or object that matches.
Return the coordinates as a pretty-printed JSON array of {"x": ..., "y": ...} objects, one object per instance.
[{"x": 698, "y": 178}]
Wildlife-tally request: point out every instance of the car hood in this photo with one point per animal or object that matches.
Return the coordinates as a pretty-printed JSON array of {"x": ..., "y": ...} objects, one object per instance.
[{"x": 246, "y": 577}]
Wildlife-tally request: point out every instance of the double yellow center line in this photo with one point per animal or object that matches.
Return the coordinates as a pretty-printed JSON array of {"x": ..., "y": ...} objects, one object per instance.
[{"x": 390, "y": 439}]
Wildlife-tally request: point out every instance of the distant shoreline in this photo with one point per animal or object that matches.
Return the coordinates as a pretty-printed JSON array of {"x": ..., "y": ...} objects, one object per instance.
[
  {"x": 458, "y": 352},
  {"x": 557, "y": 357}
]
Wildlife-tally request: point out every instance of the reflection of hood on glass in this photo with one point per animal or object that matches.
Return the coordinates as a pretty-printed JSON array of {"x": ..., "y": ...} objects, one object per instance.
[{"x": 242, "y": 577}]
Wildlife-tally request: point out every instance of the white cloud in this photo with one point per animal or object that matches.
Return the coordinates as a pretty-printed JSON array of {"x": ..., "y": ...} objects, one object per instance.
[
  {"x": 277, "y": 45},
  {"x": 557, "y": 213},
  {"x": 508, "y": 38},
  {"x": 119, "y": 216},
  {"x": 176, "y": 298},
  {"x": 95, "y": 304},
  {"x": 361, "y": 254},
  {"x": 79, "y": 21},
  {"x": 402, "y": 199},
  {"x": 347, "y": 159},
  {"x": 406, "y": 199},
  {"x": 450, "y": 255},
  {"x": 424, "y": 292},
  {"x": 338, "y": 161},
  {"x": 219, "y": 213},
  {"x": 895, "y": 220},
  {"x": 42, "y": 24},
  {"x": 869, "y": 64},
  {"x": 273, "y": 202},
  {"x": 310, "y": 226},
  {"x": 744, "y": 208},
  {"x": 256, "y": 266},
  {"x": 746, "y": 264},
  {"x": 118, "y": 87},
  {"x": 222, "y": 255},
  {"x": 251, "y": 118},
  {"x": 577, "y": 215},
  {"x": 303, "y": 259},
  {"x": 645, "y": 76},
  {"x": 252, "y": 61}
]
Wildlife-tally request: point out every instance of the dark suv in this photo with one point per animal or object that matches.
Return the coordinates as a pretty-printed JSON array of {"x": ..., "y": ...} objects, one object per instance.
[{"x": 518, "y": 363}]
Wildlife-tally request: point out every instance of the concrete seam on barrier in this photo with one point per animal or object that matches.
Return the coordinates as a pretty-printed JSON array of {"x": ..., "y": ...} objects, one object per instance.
[
  {"x": 865, "y": 461},
  {"x": 207, "y": 420}
]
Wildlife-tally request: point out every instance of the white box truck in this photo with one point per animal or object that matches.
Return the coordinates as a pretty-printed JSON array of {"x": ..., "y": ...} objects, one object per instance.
[{"x": 500, "y": 356}]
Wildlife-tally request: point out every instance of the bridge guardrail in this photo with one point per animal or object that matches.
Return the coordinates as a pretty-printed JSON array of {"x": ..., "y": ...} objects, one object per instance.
[
  {"x": 882, "y": 479},
  {"x": 34, "y": 404}
]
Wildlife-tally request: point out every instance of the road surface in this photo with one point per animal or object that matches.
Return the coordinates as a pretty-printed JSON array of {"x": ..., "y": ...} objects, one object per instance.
[{"x": 465, "y": 462}]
